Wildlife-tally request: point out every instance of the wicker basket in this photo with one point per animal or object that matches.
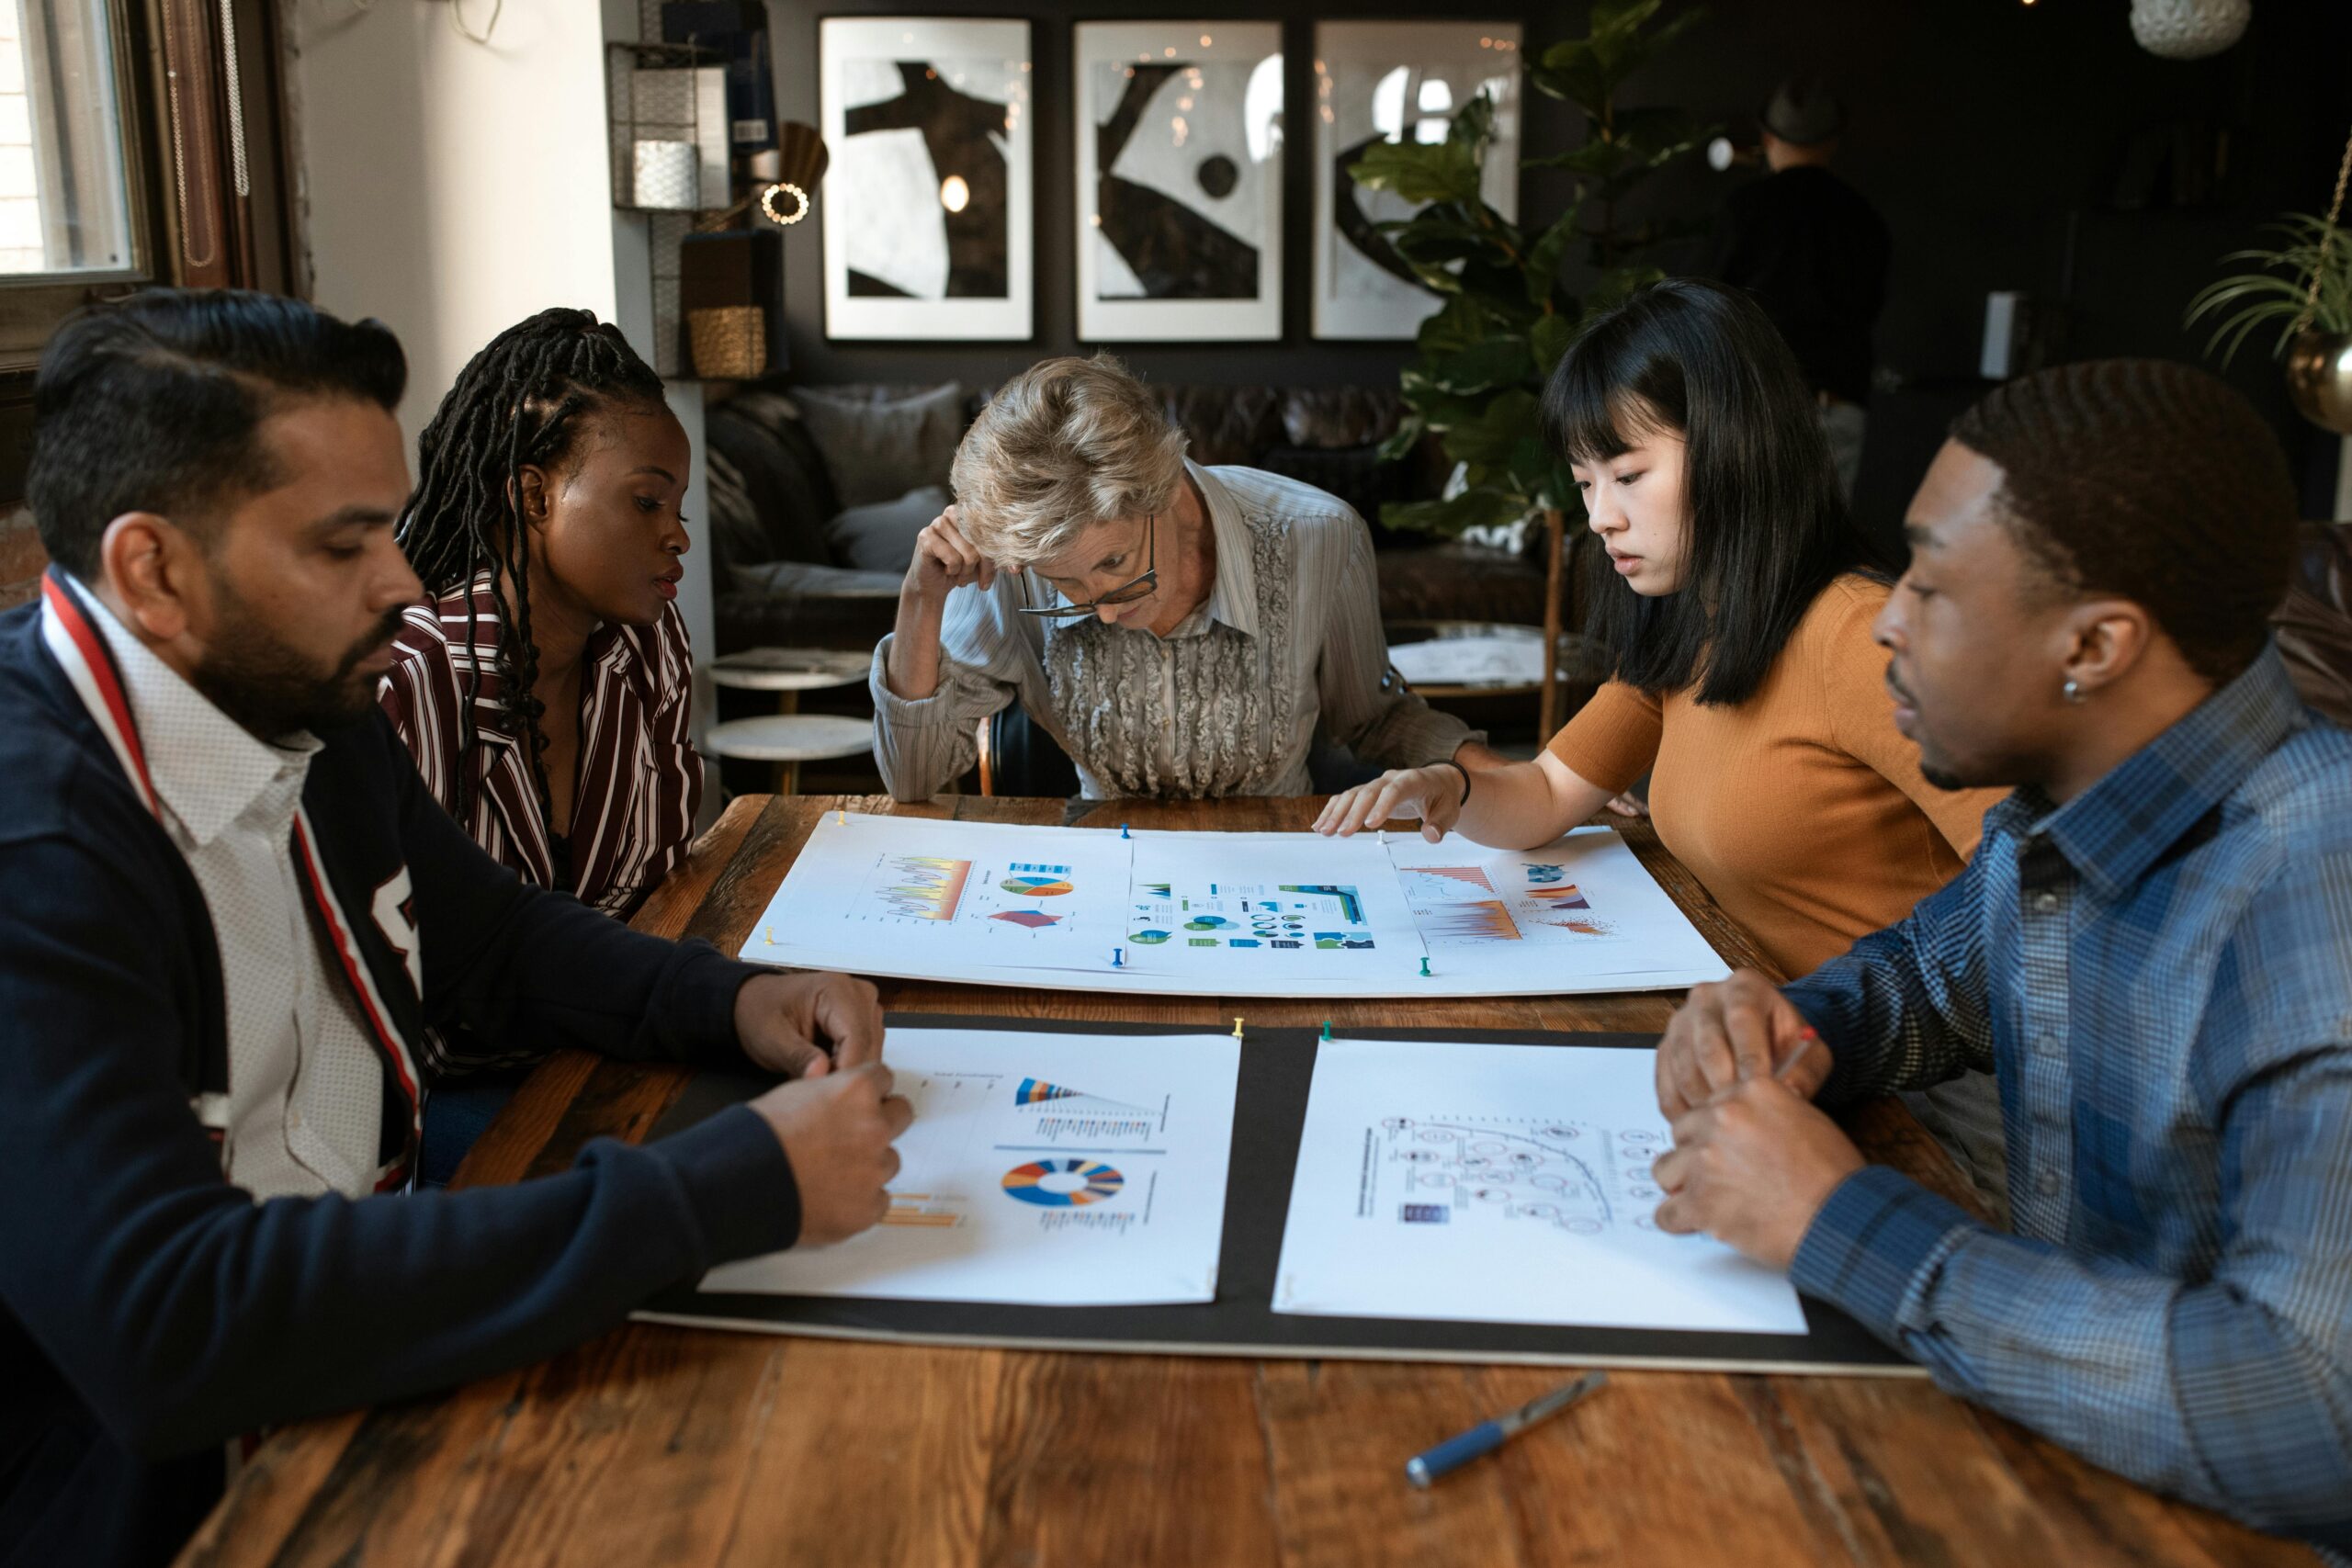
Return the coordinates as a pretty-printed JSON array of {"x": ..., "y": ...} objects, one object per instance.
[{"x": 729, "y": 341}]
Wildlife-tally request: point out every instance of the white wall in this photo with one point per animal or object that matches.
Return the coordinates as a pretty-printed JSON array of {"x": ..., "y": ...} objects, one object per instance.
[{"x": 451, "y": 189}]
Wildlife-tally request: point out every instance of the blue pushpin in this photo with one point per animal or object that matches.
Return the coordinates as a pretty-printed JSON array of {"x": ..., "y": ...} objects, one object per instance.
[
  {"x": 1122, "y": 829},
  {"x": 1118, "y": 958},
  {"x": 1425, "y": 966}
]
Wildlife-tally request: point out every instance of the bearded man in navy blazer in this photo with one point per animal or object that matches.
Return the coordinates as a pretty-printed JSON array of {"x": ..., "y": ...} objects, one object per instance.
[{"x": 228, "y": 909}]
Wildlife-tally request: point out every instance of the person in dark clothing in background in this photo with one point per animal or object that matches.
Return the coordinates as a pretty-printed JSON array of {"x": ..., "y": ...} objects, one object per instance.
[{"x": 1814, "y": 253}]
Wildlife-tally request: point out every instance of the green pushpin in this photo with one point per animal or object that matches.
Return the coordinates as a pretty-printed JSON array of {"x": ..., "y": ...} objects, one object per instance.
[
  {"x": 1425, "y": 966},
  {"x": 1327, "y": 1029}
]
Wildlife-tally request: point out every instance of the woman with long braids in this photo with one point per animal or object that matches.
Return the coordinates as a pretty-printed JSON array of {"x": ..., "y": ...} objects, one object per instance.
[{"x": 543, "y": 686}]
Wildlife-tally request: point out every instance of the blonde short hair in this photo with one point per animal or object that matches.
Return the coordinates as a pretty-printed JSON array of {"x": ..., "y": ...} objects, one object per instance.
[{"x": 1067, "y": 443}]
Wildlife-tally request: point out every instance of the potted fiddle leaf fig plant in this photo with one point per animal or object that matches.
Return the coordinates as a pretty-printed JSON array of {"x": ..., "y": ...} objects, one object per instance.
[{"x": 1508, "y": 312}]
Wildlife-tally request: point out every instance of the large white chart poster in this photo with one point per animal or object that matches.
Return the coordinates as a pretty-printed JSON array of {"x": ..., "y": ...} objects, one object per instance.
[
  {"x": 1042, "y": 1169},
  {"x": 1227, "y": 914},
  {"x": 1501, "y": 1183}
]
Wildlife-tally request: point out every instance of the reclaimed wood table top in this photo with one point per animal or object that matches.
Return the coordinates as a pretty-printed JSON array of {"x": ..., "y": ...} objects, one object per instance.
[{"x": 657, "y": 1446}]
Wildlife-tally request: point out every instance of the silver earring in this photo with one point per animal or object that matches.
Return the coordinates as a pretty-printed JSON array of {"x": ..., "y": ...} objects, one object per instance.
[{"x": 2072, "y": 692}]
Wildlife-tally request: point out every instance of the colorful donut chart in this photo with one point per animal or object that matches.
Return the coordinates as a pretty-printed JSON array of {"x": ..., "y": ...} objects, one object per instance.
[{"x": 1100, "y": 1182}]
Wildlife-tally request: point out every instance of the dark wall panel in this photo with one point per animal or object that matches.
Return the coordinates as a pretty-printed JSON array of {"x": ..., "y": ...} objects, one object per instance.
[{"x": 2010, "y": 146}]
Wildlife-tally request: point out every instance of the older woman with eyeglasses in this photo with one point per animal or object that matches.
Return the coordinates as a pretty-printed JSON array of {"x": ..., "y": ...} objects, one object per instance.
[{"x": 1182, "y": 631}]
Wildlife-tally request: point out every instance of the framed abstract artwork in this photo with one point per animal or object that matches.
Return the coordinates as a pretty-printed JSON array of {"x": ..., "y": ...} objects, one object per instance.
[
  {"x": 927, "y": 213},
  {"x": 1396, "y": 81},
  {"x": 1179, "y": 130}
]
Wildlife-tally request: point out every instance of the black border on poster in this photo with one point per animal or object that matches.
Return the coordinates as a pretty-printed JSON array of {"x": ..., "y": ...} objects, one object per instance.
[{"x": 1277, "y": 1068}]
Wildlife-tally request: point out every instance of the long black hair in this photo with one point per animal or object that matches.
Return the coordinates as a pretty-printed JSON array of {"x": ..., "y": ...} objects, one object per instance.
[
  {"x": 1768, "y": 529},
  {"x": 519, "y": 403}
]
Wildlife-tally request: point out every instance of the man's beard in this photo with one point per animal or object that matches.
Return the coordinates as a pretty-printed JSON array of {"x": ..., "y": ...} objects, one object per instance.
[{"x": 271, "y": 690}]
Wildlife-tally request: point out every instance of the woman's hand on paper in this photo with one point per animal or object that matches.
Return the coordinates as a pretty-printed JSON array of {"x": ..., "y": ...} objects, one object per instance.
[
  {"x": 1752, "y": 1168},
  {"x": 805, "y": 1024},
  {"x": 837, "y": 1133},
  {"x": 1432, "y": 793},
  {"x": 1731, "y": 1032}
]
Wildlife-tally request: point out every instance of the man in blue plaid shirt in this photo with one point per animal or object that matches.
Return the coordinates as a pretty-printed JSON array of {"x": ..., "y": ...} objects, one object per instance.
[{"x": 2152, "y": 949}]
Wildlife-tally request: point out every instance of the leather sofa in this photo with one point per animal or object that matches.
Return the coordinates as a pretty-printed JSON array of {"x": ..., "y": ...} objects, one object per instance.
[{"x": 2314, "y": 625}]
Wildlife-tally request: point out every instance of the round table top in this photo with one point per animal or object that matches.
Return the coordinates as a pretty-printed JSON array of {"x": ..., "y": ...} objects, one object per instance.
[
  {"x": 1468, "y": 657},
  {"x": 790, "y": 668},
  {"x": 791, "y": 737}
]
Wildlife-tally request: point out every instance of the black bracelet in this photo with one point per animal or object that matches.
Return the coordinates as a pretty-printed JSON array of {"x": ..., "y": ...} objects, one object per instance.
[{"x": 1450, "y": 763}]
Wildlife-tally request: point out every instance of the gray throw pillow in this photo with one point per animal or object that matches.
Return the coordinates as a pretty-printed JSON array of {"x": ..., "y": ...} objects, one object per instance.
[
  {"x": 881, "y": 538},
  {"x": 879, "y": 440}
]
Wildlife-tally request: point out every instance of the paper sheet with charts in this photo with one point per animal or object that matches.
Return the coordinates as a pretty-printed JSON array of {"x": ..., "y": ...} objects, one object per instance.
[
  {"x": 1227, "y": 914},
  {"x": 1501, "y": 1183},
  {"x": 1047, "y": 1170}
]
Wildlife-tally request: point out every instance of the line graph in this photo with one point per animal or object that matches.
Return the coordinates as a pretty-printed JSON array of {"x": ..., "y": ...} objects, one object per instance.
[{"x": 922, "y": 887}]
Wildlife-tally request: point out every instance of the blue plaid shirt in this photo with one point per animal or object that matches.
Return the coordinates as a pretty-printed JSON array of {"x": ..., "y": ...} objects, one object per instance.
[{"x": 2160, "y": 973}]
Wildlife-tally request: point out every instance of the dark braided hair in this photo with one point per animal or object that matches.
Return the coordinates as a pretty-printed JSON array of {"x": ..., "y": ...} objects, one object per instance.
[
  {"x": 518, "y": 402},
  {"x": 2153, "y": 481}
]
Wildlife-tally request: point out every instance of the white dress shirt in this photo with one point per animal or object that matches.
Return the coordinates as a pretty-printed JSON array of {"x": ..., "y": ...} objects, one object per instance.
[{"x": 306, "y": 1084}]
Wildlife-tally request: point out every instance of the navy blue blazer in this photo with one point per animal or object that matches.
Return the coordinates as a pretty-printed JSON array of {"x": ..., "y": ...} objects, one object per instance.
[{"x": 149, "y": 1311}]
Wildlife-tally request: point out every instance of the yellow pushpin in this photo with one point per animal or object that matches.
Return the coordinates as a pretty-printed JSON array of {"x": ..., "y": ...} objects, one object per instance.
[
  {"x": 1237, "y": 1028},
  {"x": 841, "y": 818},
  {"x": 768, "y": 934}
]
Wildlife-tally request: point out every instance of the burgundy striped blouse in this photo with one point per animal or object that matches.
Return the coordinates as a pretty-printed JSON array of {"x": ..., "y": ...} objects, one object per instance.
[{"x": 639, "y": 782}]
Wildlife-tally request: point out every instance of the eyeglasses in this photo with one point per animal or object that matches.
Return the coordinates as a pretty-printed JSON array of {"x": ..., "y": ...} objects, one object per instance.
[{"x": 1125, "y": 594}]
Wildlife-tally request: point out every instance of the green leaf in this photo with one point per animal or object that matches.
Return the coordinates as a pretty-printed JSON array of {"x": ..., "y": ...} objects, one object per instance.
[
  {"x": 1406, "y": 436},
  {"x": 1497, "y": 362},
  {"x": 1548, "y": 342},
  {"x": 1453, "y": 327},
  {"x": 1508, "y": 420},
  {"x": 1615, "y": 285},
  {"x": 1544, "y": 257},
  {"x": 1420, "y": 171},
  {"x": 1480, "y": 506}
]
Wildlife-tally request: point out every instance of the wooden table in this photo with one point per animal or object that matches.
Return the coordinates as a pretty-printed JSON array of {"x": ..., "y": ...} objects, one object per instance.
[{"x": 656, "y": 1446}]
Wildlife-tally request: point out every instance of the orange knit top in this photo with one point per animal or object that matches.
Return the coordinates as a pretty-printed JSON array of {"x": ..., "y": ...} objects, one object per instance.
[{"x": 1802, "y": 810}]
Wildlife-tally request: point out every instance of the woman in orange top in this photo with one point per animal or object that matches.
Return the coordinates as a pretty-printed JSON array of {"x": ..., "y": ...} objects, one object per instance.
[{"x": 1747, "y": 682}]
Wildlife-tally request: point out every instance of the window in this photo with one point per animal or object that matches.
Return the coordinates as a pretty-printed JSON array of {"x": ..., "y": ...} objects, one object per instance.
[{"x": 64, "y": 185}]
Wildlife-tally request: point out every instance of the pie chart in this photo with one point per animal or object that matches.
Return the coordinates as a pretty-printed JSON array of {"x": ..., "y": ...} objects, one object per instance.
[
  {"x": 1036, "y": 886},
  {"x": 1063, "y": 1183}
]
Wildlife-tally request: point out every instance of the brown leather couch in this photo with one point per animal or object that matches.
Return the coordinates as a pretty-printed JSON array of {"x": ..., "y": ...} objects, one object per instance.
[
  {"x": 779, "y": 583},
  {"x": 2314, "y": 625}
]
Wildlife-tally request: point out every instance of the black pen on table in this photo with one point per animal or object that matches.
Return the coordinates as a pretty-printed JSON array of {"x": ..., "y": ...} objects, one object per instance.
[{"x": 1488, "y": 1436}]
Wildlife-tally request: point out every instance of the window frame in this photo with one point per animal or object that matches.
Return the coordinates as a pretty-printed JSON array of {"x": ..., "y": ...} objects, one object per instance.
[{"x": 172, "y": 82}]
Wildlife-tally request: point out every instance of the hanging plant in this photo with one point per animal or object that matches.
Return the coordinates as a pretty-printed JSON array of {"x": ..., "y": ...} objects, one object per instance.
[
  {"x": 2306, "y": 286},
  {"x": 2311, "y": 268}
]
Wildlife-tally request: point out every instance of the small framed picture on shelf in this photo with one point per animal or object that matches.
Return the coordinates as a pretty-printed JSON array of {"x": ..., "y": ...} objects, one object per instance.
[
  {"x": 1179, "y": 128},
  {"x": 927, "y": 212},
  {"x": 1397, "y": 82}
]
